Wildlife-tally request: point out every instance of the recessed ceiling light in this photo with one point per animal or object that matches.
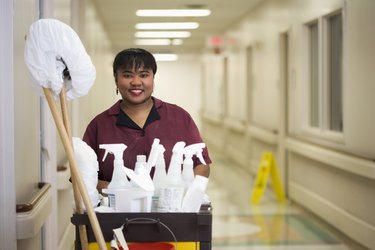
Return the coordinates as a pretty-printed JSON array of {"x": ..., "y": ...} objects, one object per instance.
[
  {"x": 167, "y": 25},
  {"x": 162, "y": 34},
  {"x": 174, "y": 12},
  {"x": 165, "y": 57},
  {"x": 158, "y": 42},
  {"x": 177, "y": 41}
]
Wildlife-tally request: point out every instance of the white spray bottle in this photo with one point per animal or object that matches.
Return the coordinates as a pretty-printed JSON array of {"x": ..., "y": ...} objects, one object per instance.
[
  {"x": 195, "y": 195},
  {"x": 160, "y": 177},
  {"x": 188, "y": 164},
  {"x": 172, "y": 191},
  {"x": 140, "y": 169},
  {"x": 119, "y": 178},
  {"x": 160, "y": 174},
  {"x": 152, "y": 158},
  {"x": 174, "y": 170}
]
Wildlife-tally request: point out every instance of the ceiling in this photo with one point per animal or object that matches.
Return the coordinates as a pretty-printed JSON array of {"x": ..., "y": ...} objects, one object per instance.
[{"x": 119, "y": 19}]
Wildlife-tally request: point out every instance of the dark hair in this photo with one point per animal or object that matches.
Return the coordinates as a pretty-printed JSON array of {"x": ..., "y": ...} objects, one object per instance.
[{"x": 134, "y": 57}]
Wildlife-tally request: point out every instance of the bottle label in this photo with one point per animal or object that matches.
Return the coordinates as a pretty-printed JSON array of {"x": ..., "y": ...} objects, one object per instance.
[
  {"x": 154, "y": 203},
  {"x": 112, "y": 201},
  {"x": 170, "y": 199}
]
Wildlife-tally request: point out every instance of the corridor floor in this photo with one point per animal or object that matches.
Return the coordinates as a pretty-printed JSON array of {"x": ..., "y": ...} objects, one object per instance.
[{"x": 238, "y": 225}]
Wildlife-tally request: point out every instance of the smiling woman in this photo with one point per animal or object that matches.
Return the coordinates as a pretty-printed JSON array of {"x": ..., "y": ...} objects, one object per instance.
[{"x": 138, "y": 118}]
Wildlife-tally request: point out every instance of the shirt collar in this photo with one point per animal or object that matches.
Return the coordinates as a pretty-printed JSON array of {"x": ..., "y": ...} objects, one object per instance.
[{"x": 124, "y": 120}]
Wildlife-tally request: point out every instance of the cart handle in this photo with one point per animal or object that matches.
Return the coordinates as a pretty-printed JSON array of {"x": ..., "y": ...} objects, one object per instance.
[{"x": 149, "y": 221}]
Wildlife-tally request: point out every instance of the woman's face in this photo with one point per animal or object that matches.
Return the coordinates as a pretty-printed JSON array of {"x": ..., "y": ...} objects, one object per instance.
[{"x": 135, "y": 86}]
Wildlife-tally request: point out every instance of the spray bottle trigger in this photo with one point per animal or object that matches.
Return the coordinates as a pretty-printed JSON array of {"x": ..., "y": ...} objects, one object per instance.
[
  {"x": 200, "y": 157},
  {"x": 105, "y": 155}
]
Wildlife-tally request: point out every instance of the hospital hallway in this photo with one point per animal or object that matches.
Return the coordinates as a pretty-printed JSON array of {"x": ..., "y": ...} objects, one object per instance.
[
  {"x": 293, "y": 79},
  {"x": 237, "y": 225}
]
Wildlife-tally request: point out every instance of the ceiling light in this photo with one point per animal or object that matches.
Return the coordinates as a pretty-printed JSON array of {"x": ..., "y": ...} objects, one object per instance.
[
  {"x": 177, "y": 41},
  {"x": 165, "y": 26},
  {"x": 158, "y": 42},
  {"x": 162, "y": 34},
  {"x": 174, "y": 12},
  {"x": 165, "y": 57}
]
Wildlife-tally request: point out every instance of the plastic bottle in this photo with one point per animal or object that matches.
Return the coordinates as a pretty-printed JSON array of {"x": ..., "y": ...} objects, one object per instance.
[
  {"x": 172, "y": 191},
  {"x": 119, "y": 178},
  {"x": 160, "y": 174},
  {"x": 195, "y": 195},
  {"x": 188, "y": 164},
  {"x": 140, "y": 169},
  {"x": 153, "y": 155},
  {"x": 174, "y": 170},
  {"x": 160, "y": 177}
]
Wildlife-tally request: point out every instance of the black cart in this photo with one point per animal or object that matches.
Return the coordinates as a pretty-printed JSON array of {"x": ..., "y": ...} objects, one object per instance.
[{"x": 152, "y": 227}]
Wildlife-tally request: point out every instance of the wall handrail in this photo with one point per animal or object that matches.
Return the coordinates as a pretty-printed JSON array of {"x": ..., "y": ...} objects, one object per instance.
[
  {"x": 349, "y": 163},
  {"x": 27, "y": 207},
  {"x": 264, "y": 134}
]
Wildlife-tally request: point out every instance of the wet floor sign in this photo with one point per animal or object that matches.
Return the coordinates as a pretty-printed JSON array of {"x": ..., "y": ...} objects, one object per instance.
[{"x": 267, "y": 167}]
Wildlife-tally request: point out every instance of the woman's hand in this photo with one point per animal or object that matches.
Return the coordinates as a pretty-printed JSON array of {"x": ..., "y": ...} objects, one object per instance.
[
  {"x": 203, "y": 170},
  {"x": 102, "y": 185}
]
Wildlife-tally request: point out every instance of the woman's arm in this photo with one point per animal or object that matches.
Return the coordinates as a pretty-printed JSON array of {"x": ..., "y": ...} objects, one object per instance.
[
  {"x": 102, "y": 185},
  {"x": 203, "y": 170}
]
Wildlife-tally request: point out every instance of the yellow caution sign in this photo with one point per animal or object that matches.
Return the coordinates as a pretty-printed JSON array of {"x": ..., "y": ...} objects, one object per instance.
[{"x": 266, "y": 168}]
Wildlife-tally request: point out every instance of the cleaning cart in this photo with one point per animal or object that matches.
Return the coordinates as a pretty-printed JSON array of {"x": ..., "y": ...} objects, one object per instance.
[{"x": 189, "y": 231}]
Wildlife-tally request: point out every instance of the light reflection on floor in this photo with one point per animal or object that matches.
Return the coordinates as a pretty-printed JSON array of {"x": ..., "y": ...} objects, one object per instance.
[{"x": 237, "y": 225}]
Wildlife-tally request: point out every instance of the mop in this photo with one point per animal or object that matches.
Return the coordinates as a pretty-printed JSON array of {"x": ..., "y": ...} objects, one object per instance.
[{"x": 61, "y": 68}]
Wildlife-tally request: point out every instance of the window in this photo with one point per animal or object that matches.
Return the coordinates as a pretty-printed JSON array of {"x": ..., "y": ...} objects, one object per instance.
[
  {"x": 314, "y": 74},
  {"x": 325, "y": 56},
  {"x": 335, "y": 71}
]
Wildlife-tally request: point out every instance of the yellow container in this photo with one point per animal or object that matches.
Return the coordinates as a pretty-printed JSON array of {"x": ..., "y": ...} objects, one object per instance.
[{"x": 180, "y": 245}]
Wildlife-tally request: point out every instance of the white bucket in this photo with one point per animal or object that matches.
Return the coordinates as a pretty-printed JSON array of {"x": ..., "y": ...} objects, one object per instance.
[{"x": 130, "y": 199}]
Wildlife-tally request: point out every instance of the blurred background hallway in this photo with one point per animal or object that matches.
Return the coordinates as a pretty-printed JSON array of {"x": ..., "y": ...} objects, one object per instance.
[{"x": 269, "y": 225}]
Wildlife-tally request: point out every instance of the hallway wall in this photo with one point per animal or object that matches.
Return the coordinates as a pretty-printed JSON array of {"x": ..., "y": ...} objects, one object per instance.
[{"x": 331, "y": 175}]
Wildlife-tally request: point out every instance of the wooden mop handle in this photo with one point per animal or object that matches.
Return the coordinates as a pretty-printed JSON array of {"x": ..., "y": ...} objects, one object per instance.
[
  {"x": 77, "y": 197},
  {"x": 74, "y": 168}
]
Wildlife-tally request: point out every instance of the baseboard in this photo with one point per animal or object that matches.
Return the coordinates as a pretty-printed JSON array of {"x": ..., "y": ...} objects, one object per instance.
[
  {"x": 67, "y": 240},
  {"x": 354, "y": 228}
]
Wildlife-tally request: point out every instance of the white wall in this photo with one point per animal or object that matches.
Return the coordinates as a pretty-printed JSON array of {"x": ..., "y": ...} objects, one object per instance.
[
  {"x": 7, "y": 174},
  {"x": 27, "y": 117},
  {"x": 179, "y": 82}
]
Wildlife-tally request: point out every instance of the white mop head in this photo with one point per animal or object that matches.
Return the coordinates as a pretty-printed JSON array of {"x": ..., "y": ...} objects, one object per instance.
[
  {"x": 89, "y": 167},
  {"x": 51, "y": 46}
]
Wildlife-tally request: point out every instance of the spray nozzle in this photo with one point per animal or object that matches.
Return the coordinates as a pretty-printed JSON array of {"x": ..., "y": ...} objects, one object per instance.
[
  {"x": 153, "y": 154},
  {"x": 174, "y": 170},
  {"x": 117, "y": 149},
  {"x": 195, "y": 149},
  {"x": 178, "y": 151},
  {"x": 160, "y": 158}
]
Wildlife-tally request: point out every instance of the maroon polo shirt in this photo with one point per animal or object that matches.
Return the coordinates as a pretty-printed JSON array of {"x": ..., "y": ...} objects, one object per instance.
[{"x": 167, "y": 122}]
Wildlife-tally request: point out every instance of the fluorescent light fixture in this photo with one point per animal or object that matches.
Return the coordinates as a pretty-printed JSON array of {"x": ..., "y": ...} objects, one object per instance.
[
  {"x": 158, "y": 42},
  {"x": 177, "y": 41},
  {"x": 165, "y": 57},
  {"x": 162, "y": 34},
  {"x": 167, "y": 26},
  {"x": 174, "y": 12}
]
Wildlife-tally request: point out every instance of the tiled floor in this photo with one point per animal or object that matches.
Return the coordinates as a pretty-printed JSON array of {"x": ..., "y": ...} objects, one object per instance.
[{"x": 238, "y": 225}]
